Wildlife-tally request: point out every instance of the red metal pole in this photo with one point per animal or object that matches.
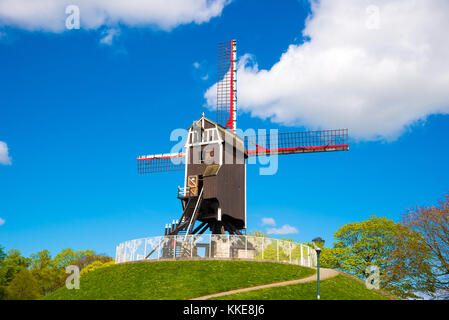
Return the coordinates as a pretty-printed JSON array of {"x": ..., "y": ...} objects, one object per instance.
[{"x": 232, "y": 86}]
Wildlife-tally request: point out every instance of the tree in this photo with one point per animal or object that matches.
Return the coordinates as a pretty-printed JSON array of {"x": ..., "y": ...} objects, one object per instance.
[
  {"x": 258, "y": 233},
  {"x": 408, "y": 267},
  {"x": 3, "y": 255},
  {"x": 374, "y": 242},
  {"x": 11, "y": 265},
  {"x": 80, "y": 258},
  {"x": 49, "y": 273},
  {"x": 365, "y": 243},
  {"x": 43, "y": 269},
  {"x": 433, "y": 225},
  {"x": 87, "y": 257},
  {"x": 23, "y": 287},
  {"x": 41, "y": 260},
  {"x": 66, "y": 258}
]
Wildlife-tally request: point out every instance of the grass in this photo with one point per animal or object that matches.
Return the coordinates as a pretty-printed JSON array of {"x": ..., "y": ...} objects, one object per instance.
[
  {"x": 176, "y": 279},
  {"x": 338, "y": 288}
]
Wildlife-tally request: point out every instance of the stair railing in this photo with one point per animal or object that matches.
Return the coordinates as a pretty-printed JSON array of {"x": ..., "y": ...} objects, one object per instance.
[{"x": 192, "y": 219}]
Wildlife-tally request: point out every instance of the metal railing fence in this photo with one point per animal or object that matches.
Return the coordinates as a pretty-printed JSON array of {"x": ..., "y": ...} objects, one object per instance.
[{"x": 216, "y": 246}]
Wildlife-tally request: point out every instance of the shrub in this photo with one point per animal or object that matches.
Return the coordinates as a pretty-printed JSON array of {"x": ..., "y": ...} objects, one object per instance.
[{"x": 96, "y": 265}]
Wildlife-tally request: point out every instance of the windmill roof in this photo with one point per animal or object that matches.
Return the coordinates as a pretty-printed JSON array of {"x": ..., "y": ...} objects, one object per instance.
[{"x": 222, "y": 129}]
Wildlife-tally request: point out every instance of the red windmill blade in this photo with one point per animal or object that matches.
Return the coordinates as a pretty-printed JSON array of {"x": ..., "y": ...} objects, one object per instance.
[
  {"x": 160, "y": 163},
  {"x": 227, "y": 85},
  {"x": 297, "y": 142}
]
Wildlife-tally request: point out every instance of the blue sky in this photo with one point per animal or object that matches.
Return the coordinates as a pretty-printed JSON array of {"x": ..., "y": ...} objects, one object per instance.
[{"x": 75, "y": 113}]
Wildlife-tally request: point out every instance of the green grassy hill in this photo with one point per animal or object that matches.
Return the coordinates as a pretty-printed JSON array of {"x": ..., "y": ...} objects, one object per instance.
[
  {"x": 190, "y": 279},
  {"x": 337, "y": 288},
  {"x": 177, "y": 279}
]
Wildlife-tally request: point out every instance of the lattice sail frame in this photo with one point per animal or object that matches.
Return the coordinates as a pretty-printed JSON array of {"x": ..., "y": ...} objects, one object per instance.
[
  {"x": 161, "y": 163},
  {"x": 297, "y": 142},
  {"x": 227, "y": 85}
]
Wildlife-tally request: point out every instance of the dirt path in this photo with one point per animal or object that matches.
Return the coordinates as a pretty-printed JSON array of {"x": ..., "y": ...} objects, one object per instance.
[{"x": 324, "y": 274}]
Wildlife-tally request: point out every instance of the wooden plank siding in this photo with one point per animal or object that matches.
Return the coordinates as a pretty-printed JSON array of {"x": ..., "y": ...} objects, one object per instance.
[{"x": 226, "y": 189}]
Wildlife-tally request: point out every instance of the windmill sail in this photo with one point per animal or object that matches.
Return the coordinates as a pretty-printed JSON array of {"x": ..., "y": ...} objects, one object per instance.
[
  {"x": 160, "y": 163},
  {"x": 297, "y": 142},
  {"x": 227, "y": 85}
]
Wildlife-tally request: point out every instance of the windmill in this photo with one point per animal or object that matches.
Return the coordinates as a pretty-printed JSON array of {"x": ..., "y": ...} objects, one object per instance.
[{"x": 214, "y": 159}]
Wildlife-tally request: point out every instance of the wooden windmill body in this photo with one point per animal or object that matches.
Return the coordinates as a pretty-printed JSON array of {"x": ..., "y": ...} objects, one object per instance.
[{"x": 215, "y": 179}]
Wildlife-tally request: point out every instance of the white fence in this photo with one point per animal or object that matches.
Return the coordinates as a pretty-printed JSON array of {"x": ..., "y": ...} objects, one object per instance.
[{"x": 215, "y": 246}]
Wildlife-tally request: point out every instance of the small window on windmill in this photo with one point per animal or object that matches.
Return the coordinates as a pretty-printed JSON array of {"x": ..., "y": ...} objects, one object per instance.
[
  {"x": 196, "y": 137},
  {"x": 196, "y": 134},
  {"x": 211, "y": 170},
  {"x": 208, "y": 135}
]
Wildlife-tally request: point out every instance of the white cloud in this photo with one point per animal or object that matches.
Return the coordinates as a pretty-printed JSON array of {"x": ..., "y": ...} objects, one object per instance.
[
  {"x": 2, "y": 221},
  {"x": 4, "y": 156},
  {"x": 285, "y": 229},
  {"x": 268, "y": 222},
  {"x": 49, "y": 15},
  {"x": 374, "y": 67},
  {"x": 199, "y": 70}
]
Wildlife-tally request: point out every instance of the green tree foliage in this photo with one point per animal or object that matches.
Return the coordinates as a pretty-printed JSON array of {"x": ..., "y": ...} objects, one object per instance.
[
  {"x": 54, "y": 277},
  {"x": 284, "y": 249},
  {"x": 258, "y": 233},
  {"x": 362, "y": 244},
  {"x": 408, "y": 269},
  {"x": 374, "y": 242},
  {"x": 432, "y": 223},
  {"x": 43, "y": 269},
  {"x": 2, "y": 254},
  {"x": 2, "y": 275},
  {"x": 12, "y": 264},
  {"x": 23, "y": 287},
  {"x": 80, "y": 258},
  {"x": 48, "y": 272},
  {"x": 88, "y": 257},
  {"x": 41, "y": 260},
  {"x": 66, "y": 258},
  {"x": 96, "y": 265}
]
